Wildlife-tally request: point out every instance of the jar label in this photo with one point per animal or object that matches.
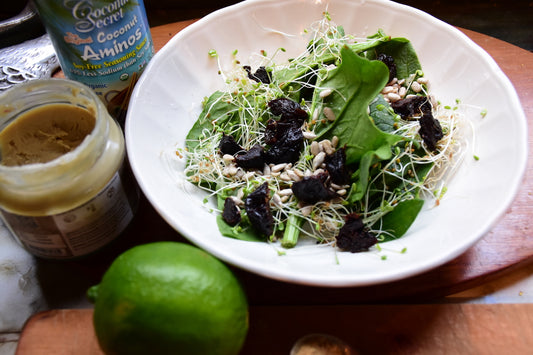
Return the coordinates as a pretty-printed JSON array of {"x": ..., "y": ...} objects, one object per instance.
[
  {"x": 79, "y": 231},
  {"x": 103, "y": 44}
]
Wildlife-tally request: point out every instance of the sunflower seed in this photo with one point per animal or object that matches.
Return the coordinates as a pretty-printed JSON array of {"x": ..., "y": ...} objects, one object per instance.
[
  {"x": 325, "y": 93},
  {"x": 318, "y": 160},
  {"x": 309, "y": 135},
  {"x": 328, "y": 112}
]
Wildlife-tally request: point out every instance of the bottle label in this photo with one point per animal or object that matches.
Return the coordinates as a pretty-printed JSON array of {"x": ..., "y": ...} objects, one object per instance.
[
  {"x": 79, "y": 231},
  {"x": 101, "y": 43}
]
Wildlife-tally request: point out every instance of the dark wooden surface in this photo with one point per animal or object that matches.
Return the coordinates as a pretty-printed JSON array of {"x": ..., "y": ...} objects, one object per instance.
[
  {"x": 391, "y": 329},
  {"x": 507, "y": 247},
  {"x": 510, "y": 21}
]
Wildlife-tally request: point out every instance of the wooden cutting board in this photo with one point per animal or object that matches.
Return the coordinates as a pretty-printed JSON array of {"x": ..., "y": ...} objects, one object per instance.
[{"x": 385, "y": 329}]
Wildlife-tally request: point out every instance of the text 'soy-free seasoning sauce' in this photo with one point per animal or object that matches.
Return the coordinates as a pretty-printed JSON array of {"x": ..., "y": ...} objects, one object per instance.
[
  {"x": 104, "y": 44},
  {"x": 65, "y": 188}
]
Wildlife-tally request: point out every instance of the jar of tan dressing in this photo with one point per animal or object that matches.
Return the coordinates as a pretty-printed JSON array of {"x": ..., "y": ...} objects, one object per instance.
[{"x": 65, "y": 190}]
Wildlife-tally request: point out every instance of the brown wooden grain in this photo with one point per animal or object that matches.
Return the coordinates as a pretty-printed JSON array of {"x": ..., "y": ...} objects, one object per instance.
[
  {"x": 387, "y": 329},
  {"x": 507, "y": 247},
  {"x": 59, "y": 332}
]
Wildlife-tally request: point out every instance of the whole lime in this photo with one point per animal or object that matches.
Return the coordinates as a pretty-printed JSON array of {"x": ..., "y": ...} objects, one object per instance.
[{"x": 169, "y": 298}]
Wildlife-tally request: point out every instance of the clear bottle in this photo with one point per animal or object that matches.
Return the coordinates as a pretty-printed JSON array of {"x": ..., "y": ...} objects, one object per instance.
[
  {"x": 104, "y": 44},
  {"x": 78, "y": 202}
]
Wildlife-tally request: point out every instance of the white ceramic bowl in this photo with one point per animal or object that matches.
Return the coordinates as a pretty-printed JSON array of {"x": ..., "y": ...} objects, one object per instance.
[{"x": 167, "y": 100}]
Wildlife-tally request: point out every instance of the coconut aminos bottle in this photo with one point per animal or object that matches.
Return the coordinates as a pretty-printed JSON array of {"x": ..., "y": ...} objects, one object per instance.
[{"x": 104, "y": 44}]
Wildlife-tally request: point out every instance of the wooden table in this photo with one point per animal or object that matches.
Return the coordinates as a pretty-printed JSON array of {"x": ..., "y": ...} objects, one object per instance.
[
  {"x": 506, "y": 247},
  {"x": 391, "y": 329}
]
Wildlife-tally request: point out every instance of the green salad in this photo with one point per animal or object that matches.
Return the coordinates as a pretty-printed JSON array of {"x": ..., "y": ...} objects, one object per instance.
[{"x": 343, "y": 143}]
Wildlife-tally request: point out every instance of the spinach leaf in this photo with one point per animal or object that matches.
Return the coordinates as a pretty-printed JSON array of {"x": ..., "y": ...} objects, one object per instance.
[
  {"x": 404, "y": 55},
  {"x": 357, "y": 81},
  {"x": 215, "y": 108},
  {"x": 360, "y": 185},
  {"x": 320, "y": 54},
  {"x": 382, "y": 114},
  {"x": 398, "y": 221},
  {"x": 243, "y": 231}
]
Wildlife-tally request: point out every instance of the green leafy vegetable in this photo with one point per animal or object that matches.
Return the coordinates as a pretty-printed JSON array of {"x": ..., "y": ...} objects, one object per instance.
[
  {"x": 339, "y": 82},
  {"x": 399, "y": 219},
  {"x": 357, "y": 81},
  {"x": 383, "y": 115},
  {"x": 404, "y": 55}
]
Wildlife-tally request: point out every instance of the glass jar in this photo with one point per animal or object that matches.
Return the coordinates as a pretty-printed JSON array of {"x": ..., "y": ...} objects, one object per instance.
[
  {"x": 104, "y": 44},
  {"x": 77, "y": 202}
]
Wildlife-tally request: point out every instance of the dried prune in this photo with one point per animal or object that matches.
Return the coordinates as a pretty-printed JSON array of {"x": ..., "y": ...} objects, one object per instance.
[
  {"x": 231, "y": 213},
  {"x": 261, "y": 75},
  {"x": 271, "y": 132},
  {"x": 287, "y": 144},
  {"x": 284, "y": 136},
  {"x": 275, "y": 130},
  {"x": 419, "y": 107},
  {"x": 257, "y": 208},
  {"x": 336, "y": 167},
  {"x": 411, "y": 107},
  {"x": 354, "y": 236},
  {"x": 252, "y": 159},
  {"x": 430, "y": 131},
  {"x": 311, "y": 189},
  {"x": 389, "y": 62},
  {"x": 228, "y": 145},
  {"x": 288, "y": 110}
]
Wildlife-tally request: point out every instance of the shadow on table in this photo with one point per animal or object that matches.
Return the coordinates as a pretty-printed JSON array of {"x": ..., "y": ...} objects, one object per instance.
[{"x": 367, "y": 329}]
